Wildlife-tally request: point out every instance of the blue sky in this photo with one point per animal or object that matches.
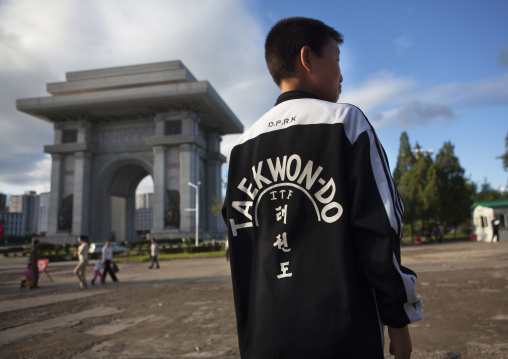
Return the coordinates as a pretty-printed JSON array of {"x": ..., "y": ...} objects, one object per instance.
[
  {"x": 436, "y": 69},
  {"x": 445, "y": 56}
]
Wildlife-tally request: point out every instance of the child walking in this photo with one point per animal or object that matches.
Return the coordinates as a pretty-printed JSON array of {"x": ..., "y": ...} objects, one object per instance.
[
  {"x": 29, "y": 278},
  {"x": 97, "y": 270}
]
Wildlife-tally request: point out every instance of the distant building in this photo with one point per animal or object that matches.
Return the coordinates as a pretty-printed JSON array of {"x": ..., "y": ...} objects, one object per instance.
[
  {"x": 12, "y": 224},
  {"x": 144, "y": 220},
  {"x": 42, "y": 225},
  {"x": 144, "y": 213},
  {"x": 483, "y": 213},
  {"x": 3, "y": 202},
  {"x": 144, "y": 200},
  {"x": 28, "y": 205},
  {"x": 16, "y": 204}
]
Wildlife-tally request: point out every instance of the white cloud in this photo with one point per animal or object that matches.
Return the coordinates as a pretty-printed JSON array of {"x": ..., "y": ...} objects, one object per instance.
[
  {"x": 390, "y": 101},
  {"x": 421, "y": 113},
  {"x": 483, "y": 92},
  {"x": 218, "y": 41},
  {"x": 379, "y": 90}
]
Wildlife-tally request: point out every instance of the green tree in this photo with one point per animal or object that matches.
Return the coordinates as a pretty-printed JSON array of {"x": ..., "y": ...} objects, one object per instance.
[
  {"x": 472, "y": 188},
  {"x": 216, "y": 207},
  {"x": 486, "y": 193},
  {"x": 455, "y": 195},
  {"x": 405, "y": 159},
  {"x": 412, "y": 190},
  {"x": 431, "y": 200},
  {"x": 505, "y": 156}
]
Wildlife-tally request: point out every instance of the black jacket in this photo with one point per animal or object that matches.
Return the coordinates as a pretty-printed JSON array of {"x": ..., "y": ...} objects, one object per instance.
[{"x": 314, "y": 223}]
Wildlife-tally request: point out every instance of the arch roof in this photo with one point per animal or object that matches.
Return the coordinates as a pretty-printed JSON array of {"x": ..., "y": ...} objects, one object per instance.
[{"x": 132, "y": 91}]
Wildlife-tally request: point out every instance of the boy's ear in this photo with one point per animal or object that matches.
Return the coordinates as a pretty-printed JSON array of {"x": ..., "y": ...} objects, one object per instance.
[{"x": 305, "y": 55}]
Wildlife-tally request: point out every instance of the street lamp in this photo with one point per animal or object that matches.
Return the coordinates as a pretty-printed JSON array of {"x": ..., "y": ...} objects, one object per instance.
[{"x": 196, "y": 209}]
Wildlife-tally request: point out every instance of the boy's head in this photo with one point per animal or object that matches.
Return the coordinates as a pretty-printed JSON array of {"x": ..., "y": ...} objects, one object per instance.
[{"x": 297, "y": 39}]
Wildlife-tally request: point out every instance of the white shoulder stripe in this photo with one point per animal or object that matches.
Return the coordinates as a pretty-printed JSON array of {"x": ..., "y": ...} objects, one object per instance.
[
  {"x": 384, "y": 183},
  {"x": 309, "y": 112}
]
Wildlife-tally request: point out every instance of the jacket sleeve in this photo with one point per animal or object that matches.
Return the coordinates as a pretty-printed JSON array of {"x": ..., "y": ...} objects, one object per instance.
[{"x": 375, "y": 221}]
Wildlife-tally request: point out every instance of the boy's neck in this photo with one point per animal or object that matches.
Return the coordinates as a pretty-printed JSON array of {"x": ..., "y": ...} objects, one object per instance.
[{"x": 293, "y": 84}]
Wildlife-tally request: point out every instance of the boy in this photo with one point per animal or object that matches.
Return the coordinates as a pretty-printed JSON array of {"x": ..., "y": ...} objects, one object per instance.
[{"x": 314, "y": 217}]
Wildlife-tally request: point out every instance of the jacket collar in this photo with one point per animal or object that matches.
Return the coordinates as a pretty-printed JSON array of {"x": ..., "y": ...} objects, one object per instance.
[{"x": 293, "y": 95}]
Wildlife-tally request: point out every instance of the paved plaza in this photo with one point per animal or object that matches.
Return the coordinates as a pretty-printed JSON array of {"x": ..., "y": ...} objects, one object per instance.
[{"x": 185, "y": 309}]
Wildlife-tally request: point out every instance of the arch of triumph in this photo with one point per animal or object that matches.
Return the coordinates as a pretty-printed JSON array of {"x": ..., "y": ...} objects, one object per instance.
[{"x": 115, "y": 126}]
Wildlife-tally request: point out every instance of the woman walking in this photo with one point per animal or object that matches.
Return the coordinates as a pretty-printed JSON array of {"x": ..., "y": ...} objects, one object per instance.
[{"x": 82, "y": 253}]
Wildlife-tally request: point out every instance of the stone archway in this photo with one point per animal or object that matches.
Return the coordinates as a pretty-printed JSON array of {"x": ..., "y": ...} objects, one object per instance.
[
  {"x": 114, "y": 209},
  {"x": 112, "y": 128}
]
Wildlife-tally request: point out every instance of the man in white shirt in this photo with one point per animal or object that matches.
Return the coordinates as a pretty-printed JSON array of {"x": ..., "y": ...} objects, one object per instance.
[
  {"x": 495, "y": 228},
  {"x": 107, "y": 258},
  {"x": 154, "y": 252}
]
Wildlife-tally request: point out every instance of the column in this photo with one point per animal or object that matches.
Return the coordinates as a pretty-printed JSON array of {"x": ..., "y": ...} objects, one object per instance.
[
  {"x": 189, "y": 172},
  {"x": 81, "y": 203},
  {"x": 56, "y": 193},
  {"x": 213, "y": 176},
  {"x": 159, "y": 188},
  {"x": 130, "y": 234}
]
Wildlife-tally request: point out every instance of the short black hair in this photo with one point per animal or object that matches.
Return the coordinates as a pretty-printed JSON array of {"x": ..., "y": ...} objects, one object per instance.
[{"x": 286, "y": 39}]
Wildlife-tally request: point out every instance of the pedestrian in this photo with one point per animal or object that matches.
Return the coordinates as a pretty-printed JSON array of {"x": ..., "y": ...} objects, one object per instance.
[
  {"x": 227, "y": 249},
  {"x": 314, "y": 217},
  {"x": 82, "y": 254},
  {"x": 29, "y": 277},
  {"x": 154, "y": 252},
  {"x": 495, "y": 228},
  {"x": 97, "y": 270},
  {"x": 441, "y": 233},
  {"x": 107, "y": 259},
  {"x": 435, "y": 232},
  {"x": 34, "y": 259}
]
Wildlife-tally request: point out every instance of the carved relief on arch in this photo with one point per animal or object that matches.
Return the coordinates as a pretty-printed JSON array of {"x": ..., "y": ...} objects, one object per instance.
[
  {"x": 123, "y": 136},
  {"x": 65, "y": 214},
  {"x": 172, "y": 215}
]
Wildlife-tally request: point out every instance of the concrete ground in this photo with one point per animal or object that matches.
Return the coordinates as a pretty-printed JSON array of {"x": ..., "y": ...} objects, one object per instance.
[{"x": 185, "y": 309}]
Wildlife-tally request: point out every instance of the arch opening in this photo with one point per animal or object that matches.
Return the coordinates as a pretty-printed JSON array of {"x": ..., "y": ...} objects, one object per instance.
[
  {"x": 122, "y": 190},
  {"x": 144, "y": 207}
]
